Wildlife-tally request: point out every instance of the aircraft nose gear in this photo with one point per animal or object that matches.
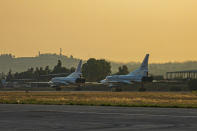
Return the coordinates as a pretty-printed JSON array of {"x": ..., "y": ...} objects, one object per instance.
[
  {"x": 147, "y": 79},
  {"x": 80, "y": 80}
]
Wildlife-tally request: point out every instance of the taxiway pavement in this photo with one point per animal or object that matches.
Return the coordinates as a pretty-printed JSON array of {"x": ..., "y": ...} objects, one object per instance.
[{"x": 99, "y": 118}]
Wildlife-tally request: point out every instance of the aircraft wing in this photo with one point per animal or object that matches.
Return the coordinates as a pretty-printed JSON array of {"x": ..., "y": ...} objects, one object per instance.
[
  {"x": 53, "y": 75},
  {"x": 39, "y": 82},
  {"x": 121, "y": 82},
  {"x": 117, "y": 83},
  {"x": 60, "y": 83},
  {"x": 126, "y": 82}
]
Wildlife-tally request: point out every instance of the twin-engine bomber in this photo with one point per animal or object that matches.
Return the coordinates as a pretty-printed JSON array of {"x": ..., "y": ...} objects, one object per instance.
[
  {"x": 139, "y": 75},
  {"x": 73, "y": 78}
]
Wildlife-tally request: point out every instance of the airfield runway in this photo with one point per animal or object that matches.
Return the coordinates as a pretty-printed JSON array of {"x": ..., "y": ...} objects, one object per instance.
[{"x": 68, "y": 118}]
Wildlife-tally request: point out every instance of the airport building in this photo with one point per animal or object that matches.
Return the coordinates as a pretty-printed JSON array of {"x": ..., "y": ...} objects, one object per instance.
[{"x": 181, "y": 75}]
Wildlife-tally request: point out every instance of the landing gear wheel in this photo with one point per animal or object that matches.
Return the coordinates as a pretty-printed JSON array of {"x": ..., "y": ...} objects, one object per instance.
[
  {"x": 78, "y": 88},
  {"x": 142, "y": 89},
  {"x": 116, "y": 89},
  {"x": 58, "y": 88}
]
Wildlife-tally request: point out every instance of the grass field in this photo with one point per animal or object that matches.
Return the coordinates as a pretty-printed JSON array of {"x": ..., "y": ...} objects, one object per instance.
[{"x": 128, "y": 99}]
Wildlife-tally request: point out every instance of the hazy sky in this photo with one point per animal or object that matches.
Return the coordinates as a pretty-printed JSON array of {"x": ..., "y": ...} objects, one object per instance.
[{"x": 118, "y": 30}]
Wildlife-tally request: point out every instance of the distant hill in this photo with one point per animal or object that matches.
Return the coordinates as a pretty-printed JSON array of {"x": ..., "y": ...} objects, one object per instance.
[
  {"x": 19, "y": 64},
  {"x": 162, "y": 68}
]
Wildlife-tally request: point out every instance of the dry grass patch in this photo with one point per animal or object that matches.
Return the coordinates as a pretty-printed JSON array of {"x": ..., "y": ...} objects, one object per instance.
[{"x": 137, "y": 99}]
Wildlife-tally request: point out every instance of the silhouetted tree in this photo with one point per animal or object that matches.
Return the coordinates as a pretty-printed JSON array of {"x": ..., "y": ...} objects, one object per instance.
[
  {"x": 192, "y": 84},
  {"x": 47, "y": 70},
  {"x": 96, "y": 70},
  {"x": 59, "y": 69},
  {"x": 122, "y": 70},
  {"x": 1, "y": 84},
  {"x": 9, "y": 76},
  {"x": 37, "y": 74},
  {"x": 72, "y": 69}
]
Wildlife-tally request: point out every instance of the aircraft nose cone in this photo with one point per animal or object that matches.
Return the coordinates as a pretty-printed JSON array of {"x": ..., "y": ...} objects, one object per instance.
[
  {"x": 109, "y": 77},
  {"x": 103, "y": 81},
  {"x": 52, "y": 80}
]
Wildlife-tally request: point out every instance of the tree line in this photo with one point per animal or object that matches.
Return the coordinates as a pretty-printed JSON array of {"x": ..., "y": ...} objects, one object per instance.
[
  {"x": 39, "y": 74},
  {"x": 92, "y": 70}
]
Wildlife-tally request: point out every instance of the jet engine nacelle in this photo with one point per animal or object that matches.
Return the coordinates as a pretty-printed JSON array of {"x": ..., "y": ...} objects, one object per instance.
[
  {"x": 80, "y": 80},
  {"x": 147, "y": 79}
]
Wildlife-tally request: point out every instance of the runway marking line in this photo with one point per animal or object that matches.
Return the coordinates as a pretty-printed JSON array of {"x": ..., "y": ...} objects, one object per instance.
[{"x": 100, "y": 113}]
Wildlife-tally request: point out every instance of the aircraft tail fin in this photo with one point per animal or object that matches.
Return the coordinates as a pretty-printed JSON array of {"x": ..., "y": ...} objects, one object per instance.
[
  {"x": 77, "y": 73},
  {"x": 78, "y": 69},
  {"x": 144, "y": 65},
  {"x": 143, "y": 70}
]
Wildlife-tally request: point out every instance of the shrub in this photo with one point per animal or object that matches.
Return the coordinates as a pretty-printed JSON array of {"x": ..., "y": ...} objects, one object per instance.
[
  {"x": 142, "y": 89},
  {"x": 78, "y": 88},
  {"x": 116, "y": 89},
  {"x": 58, "y": 88},
  {"x": 175, "y": 88},
  {"x": 192, "y": 85}
]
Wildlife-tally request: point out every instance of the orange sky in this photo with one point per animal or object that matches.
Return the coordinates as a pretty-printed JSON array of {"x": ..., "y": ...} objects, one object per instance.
[{"x": 118, "y": 30}]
